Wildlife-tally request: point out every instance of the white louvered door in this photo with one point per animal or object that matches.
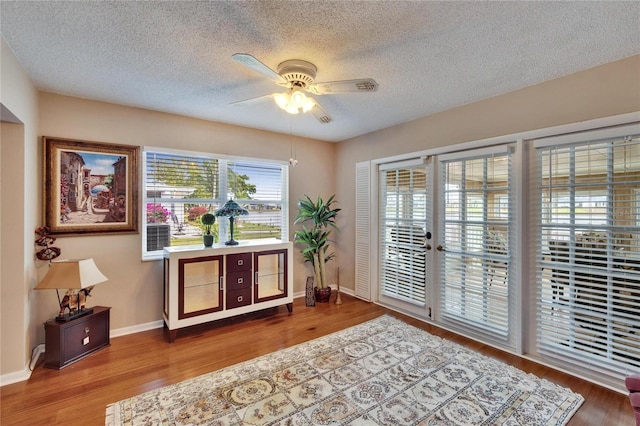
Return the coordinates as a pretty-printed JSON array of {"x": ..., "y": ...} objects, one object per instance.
[{"x": 363, "y": 230}]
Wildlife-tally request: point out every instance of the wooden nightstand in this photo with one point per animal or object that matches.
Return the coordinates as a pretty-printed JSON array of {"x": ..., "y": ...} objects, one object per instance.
[{"x": 68, "y": 342}]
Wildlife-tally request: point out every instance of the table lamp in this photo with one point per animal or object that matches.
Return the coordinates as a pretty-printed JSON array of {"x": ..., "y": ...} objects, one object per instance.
[
  {"x": 231, "y": 209},
  {"x": 72, "y": 274}
]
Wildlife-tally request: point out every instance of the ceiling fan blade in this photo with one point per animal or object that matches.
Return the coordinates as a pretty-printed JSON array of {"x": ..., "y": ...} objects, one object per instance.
[
  {"x": 251, "y": 101},
  {"x": 319, "y": 113},
  {"x": 344, "y": 86},
  {"x": 251, "y": 62}
]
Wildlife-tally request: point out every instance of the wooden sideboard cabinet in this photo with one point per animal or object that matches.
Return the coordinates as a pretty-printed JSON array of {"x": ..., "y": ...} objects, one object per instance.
[
  {"x": 207, "y": 284},
  {"x": 68, "y": 342}
]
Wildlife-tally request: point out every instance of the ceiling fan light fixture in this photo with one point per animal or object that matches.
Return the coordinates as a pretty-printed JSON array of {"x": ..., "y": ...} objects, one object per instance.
[
  {"x": 292, "y": 109},
  {"x": 308, "y": 105},
  {"x": 298, "y": 98},
  {"x": 294, "y": 101},
  {"x": 282, "y": 100}
]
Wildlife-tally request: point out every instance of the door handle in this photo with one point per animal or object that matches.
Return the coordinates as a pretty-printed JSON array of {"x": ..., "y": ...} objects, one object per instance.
[
  {"x": 427, "y": 246},
  {"x": 440, "y": 248}
]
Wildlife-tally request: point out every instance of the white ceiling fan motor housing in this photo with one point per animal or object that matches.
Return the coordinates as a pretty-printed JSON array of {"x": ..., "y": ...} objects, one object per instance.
[{"x": 298, "y": 72}]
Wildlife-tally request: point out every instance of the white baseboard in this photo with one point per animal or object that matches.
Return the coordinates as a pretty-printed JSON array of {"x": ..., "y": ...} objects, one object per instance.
[
  {"x": 136, "y": 328},
  {"x": 342, "y": 290},
  {"x": 21, "y": 376}
]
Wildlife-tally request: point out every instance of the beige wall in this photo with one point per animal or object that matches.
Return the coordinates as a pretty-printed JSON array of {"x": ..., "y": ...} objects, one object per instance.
[
  {"x": 18, "y": 213},
  {"x": 134, "y": 289},
  {"x": 603, "y": 91}
]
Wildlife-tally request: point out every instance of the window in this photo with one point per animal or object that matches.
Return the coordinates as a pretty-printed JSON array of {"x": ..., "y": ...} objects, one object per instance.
[
  {"x": 475, "y": 204},
  {"x": 181, "y": 186},
  {"x": 588, "y": 266}
]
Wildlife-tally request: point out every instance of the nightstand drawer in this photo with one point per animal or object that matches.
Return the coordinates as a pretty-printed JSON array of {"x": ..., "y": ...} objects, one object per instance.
[
  {"x": 237, "y": 298},
  {"x": 84, "y": 336},
  {"x": 238, "y": 280},
  {"x": 239, "y": 262}
]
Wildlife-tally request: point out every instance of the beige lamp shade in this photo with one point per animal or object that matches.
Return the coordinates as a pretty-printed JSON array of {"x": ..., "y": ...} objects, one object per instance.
[{"x": 71, "y": 273}]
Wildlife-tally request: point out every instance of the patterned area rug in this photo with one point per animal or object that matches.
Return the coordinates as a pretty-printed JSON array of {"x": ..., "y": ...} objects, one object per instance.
[{"x": 382, "y": 372}]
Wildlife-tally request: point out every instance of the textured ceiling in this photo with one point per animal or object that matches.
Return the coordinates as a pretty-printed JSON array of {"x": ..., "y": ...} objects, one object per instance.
[{"x": 426, "y": 56}]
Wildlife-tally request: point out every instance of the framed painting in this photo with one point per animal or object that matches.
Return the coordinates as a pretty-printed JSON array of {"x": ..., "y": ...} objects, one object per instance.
[{"x": 90, "y": 187}]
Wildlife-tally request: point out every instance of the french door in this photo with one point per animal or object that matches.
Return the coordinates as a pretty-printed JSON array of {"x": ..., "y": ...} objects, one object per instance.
[
  {"x": 404, "y": 235},
  {"x": 474, "y": 244}
]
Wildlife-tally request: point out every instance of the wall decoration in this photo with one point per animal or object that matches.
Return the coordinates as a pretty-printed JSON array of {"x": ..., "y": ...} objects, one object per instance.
[
  {"x": 90, "y": 187},
  {"x": 44, "y": 240}
]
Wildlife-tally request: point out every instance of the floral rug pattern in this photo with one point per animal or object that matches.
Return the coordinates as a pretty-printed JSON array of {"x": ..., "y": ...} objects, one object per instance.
[{"x": 381, "y": 372}]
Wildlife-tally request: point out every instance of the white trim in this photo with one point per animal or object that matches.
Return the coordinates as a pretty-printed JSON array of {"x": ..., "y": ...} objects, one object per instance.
[
  {"x": 212, "y": 155},
  {"x": 410, "y": 162},
  {"x": 478, "y": 152},
  {"x": 15, "y": 377},
  {"x": 596, "y": 134},
  {"x": 136, "y": 328}
]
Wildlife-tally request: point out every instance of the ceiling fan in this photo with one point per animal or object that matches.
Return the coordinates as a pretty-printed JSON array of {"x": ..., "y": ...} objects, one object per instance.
[{"x": 298, "y": 76}]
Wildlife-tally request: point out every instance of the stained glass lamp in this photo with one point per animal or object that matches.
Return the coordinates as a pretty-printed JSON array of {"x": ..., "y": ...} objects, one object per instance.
[{"x": 231, "y": 209}]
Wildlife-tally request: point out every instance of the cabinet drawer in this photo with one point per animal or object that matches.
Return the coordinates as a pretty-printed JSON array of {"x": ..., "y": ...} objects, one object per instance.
[
  {"x": 238, "y": 280},
  {"x": 85, "y": 336},
  {"x": 239, "y": 262},
  {"x": 237, "y": 298}
]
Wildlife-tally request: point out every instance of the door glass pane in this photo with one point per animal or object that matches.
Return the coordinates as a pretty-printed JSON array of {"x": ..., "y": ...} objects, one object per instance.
[
  {"x": 201, "y": 285},
  {"x": 270, "y": 275},
  {"x": 403, "y": 220},
  {"x": 475, "y": 262}
]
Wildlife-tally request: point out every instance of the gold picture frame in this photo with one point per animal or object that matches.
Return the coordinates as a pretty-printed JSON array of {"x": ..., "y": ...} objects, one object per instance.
[{"x": 90, "y": 187}]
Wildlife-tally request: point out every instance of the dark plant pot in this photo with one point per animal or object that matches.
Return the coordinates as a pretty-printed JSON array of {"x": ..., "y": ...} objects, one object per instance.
[
  {"x": 207, "y": 240},
  {"x": 322, "y": 294}
]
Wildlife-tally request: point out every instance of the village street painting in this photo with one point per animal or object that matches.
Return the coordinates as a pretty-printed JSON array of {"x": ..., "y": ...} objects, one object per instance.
[{"x": 90, "y": 187}]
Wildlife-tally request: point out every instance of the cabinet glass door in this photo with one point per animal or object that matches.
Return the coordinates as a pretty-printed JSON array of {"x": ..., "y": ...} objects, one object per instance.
[
  {"x": 270, "y": 275},
  {"x": 199, "y": 286}
]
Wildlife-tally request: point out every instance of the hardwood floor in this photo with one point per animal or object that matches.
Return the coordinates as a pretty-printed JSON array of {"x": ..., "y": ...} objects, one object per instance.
[{"x": 144, "y": 361}]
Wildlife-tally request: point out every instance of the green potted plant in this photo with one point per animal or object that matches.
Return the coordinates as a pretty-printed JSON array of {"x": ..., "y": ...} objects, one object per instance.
[
  {"x": 207, "y": 219},
  {"x": 320, "y": 216}
]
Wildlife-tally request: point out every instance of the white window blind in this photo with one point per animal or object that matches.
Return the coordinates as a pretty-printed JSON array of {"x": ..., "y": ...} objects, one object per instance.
[
  {"x": 588, "y": 258},
  {"x": 181, "y": 186},
  {"x": 476, "y": 211},
  {"x": 403, "y": 216}
]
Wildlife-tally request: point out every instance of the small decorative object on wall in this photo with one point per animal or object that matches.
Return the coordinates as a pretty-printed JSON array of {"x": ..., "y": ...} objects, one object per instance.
[
  {"x": 90, "y": 187},
  {"x": 231, "y": 209},
  {"x": 207, "y": 220},
  {"x": 48, "y": 252}
]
